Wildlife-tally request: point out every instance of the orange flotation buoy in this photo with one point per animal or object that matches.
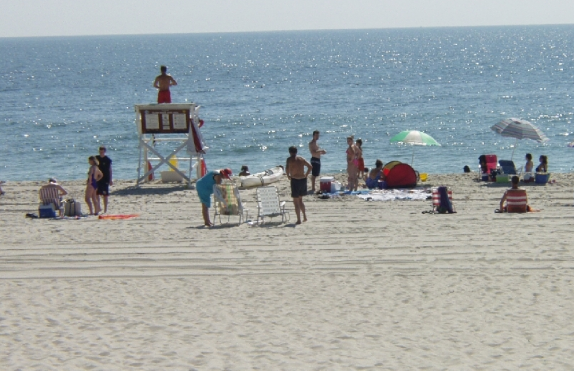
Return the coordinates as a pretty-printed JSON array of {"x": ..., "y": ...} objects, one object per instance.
[{"x": 203, "y": 167}]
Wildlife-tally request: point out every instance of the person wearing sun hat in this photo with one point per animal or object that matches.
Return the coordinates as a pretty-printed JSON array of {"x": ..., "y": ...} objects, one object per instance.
[{"x": 204, "y": 187}]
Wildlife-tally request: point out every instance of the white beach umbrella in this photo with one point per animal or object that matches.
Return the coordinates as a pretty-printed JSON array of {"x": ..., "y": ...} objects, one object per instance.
[{"x": 519, "y": 129}]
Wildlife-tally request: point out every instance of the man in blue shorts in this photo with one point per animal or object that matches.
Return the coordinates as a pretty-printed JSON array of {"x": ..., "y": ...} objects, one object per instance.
[{"x": 295, "y": 170}]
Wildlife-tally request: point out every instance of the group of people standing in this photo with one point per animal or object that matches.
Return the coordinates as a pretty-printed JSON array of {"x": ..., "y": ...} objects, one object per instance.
[
  {"x": 355, "y": 162},
  {"x": 297, "y": 175}
]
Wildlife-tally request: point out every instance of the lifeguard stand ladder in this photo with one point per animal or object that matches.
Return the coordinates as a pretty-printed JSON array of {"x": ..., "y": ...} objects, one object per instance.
[{"x": 173, "y": 122}]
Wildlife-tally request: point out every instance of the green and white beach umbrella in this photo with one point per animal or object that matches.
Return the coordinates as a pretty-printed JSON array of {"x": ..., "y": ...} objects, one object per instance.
[{"x": 416, "y": 138}]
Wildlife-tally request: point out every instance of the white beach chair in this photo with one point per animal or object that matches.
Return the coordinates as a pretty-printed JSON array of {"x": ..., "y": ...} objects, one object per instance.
[
  {"x": 269, "y": 205},
  {"x": 228, "y": 202}
]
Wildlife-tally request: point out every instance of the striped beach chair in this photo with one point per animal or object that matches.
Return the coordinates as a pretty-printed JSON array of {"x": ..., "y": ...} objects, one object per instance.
[
  {"x": 228, "y": 202},
  {"x": 436, "y": 199},
  {"x": 50, "y": 196},
  {"x": 516, "y": 201}
]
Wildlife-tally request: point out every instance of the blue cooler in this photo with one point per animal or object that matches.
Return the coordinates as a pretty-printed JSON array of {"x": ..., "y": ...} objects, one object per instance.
[
  {"x": 47, "y": 211},
  {"x": 542, "y": 178}
]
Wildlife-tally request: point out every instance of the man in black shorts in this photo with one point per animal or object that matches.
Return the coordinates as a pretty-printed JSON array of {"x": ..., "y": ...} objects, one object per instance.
[
  {"x": 105, "y": 166},
  {"x": 295, "y": 170},
  {"x": 316, "y": 153}
]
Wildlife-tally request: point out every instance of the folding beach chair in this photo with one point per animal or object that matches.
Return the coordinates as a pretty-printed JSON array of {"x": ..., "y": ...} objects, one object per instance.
[
  {"x": 491, "y": 164},
  {"x": 51, "y": 196},
  {"x": 516, "y": 201},
  {"x": 507, "y": 167},
  {"x": 269, "y": 205},
  {"x": 228, "y": 202},
  {"x": 442, "y": 204}
]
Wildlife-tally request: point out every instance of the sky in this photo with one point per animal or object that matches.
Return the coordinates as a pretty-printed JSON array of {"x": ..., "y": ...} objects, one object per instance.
[{"x": 24, "y": 18}]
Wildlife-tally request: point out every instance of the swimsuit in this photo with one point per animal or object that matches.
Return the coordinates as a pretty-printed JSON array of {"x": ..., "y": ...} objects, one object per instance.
[
  {"x": 298, "y": 187},
  {"x": 316, "y": 162},
  {"x": 164, "y": 96},
  {"x": 93, "y": 182}
]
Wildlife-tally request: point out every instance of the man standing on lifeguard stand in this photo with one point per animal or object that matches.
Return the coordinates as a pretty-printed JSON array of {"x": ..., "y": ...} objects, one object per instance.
[{"x": 163, "y": 82}]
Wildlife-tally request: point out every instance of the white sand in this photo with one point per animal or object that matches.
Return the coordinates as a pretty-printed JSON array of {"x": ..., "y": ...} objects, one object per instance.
[{"x": 361, "y": 285}]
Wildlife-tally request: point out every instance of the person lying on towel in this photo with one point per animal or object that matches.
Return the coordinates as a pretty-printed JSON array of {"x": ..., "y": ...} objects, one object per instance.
[{"x": 516, "y": 199}]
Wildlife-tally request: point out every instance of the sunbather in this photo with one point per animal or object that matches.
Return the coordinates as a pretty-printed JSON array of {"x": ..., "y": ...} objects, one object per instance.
[
  {"x": 375, "y": 175},
  {"x": 543, "y": 167},
  {"x": 244, "y": 171},
  {"x": 52, "y": 193},
  {"x": 512, "y": 205},
  {"x": 528, "y": 169}
]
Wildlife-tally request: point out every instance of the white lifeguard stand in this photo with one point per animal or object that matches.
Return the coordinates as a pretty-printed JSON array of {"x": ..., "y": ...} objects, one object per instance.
[{"x": 171, "y": 122}]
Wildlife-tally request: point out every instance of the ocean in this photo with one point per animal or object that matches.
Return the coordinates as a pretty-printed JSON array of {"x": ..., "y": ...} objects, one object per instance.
[{"x": 63, "y": 97}]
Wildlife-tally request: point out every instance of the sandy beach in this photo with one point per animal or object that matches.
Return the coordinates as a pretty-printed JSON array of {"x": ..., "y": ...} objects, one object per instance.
[{"x": 360, "y": 286}]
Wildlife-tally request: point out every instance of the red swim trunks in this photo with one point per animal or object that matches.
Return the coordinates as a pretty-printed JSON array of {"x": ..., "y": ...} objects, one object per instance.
[
  {"x": 361, "y": 165},
  {"x": 164, "y": 96}
]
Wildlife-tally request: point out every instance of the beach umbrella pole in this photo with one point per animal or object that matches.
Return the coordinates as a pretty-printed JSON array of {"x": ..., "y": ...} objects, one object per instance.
[{"x": 513, "y": 148}]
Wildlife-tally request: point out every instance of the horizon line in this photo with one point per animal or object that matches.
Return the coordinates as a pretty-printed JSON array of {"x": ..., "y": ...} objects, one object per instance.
[{"x": 289, "y": 30}]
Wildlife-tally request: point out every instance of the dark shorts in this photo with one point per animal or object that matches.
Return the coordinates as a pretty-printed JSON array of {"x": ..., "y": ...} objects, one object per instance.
[
  {"x": 298, "y": 187},
  {"x": 103, "y": 188},
  {"x": 316, "y": 162}
]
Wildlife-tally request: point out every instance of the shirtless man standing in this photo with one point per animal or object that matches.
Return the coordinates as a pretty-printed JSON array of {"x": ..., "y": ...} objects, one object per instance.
[
  {"x": 298, "y": 177},
  {"x": 316, "y": 153},
  {"x": 163, "y": 82}
]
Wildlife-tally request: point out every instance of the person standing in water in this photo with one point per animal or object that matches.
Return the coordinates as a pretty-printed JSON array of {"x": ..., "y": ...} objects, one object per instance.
[
  {"x": 162, "y": 83},
  {"x": 294, "y": 169},
  {"x": 316, "y": 153}
]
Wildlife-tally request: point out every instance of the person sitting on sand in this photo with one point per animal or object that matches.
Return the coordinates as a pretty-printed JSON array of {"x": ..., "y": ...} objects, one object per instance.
[
  {"x": 244, "y": 171},
  {"x": 543, "y": 167},
  {"x": 52, "y": 193},
  {"x": 504, "y": 208},
  {"x": 375, "y": 175},
  {"x": 204, "y": 187},
  {"x": 528, "y": 169}
]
